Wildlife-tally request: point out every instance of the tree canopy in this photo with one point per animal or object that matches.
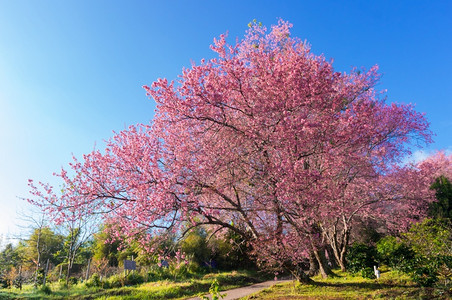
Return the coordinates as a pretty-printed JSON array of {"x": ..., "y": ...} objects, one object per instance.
[{"x": 267, "y": 141}]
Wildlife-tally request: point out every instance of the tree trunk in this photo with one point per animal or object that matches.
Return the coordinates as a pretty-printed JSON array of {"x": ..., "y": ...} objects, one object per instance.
[
  {"x": 299, "y": 274},
  {"x": 87, "y": 269},
  {"x": 344, "y": 248},
  {"x": 68, "y": 272},
  {"x": 338, "y": 243},
  {"x": 342, "y": 263},
  {"x": 331, "y": 257},
  {"x": 313, "y": 265},
  {"x": 302, "y": 277},
  {"x": 324, "y": 268},
  {"x": 45, "y": 273}
]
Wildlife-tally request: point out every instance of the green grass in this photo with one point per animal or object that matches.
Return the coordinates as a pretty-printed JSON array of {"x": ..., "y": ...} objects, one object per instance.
[
  {"x": 163, "y": 289},
  {"x": 391, "y": 285}
]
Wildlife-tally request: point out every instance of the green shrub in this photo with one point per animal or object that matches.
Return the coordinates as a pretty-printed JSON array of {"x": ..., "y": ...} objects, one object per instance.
[
  {"x": 94, "y": 281},
  {"x": 133, "y": 279},
  {"x": 214, "y": 291},
  {"x": 396, "y": 254},
  {"x": 3, "y": 283},
  {"x": 45, "y": 289},
  {"x": 62, "y": 284},
  {"x": 368, "y": 272},
  {"x": 115, "y": 281},
  {"x": 361, "y": 258},
  {"x": 73, "y": 280},
  {"x": 425, "y": 276}
]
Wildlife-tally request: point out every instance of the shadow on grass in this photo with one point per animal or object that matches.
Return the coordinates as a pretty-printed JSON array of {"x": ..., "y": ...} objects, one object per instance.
[{"x": 362, "y": 285}]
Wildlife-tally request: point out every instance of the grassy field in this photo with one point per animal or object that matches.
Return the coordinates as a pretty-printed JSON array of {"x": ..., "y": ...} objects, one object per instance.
[
  {"x": 391, "y": 285},
  {"x": 152, "y": 290}
]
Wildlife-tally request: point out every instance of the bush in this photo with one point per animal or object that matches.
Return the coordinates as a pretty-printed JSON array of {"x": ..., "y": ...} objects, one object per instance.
[
  {"x": 73, "y": 280},
  {"x": 368, "y": 272},
  {"x": 62, "y": 284},
  {"x": 3, "y": 283},
  {"x": 361, "y": 258},
  {"x": 133, "y": 279},
  {"x": 396, "y": 254},
  {"x": 94, "y": 281},
  {"x": 425, "y": 276},
  {"x": 45, "y": 289},
  {"x": 115, "y": 281}
]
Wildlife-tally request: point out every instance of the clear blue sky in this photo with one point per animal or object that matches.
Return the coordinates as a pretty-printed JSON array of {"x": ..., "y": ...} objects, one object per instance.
[{"x": 71, "y": 71}]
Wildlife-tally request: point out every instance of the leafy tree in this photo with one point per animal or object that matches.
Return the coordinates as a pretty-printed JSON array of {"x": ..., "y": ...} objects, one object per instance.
[
  {"x": 231, "y": 251},
  {"x": 431, "y": 237},
  {"x": 267, "y": 141},
  {"x": 43, "y": 245},
  {"x": 9, "y": 259},
  {"x": 431, "y": 241},
  {"x": 442, "y": 208},
  {"x": 103, "y": 249},
  {"x": 194, "y": 245},
  {"x": 76, "y": 248}
]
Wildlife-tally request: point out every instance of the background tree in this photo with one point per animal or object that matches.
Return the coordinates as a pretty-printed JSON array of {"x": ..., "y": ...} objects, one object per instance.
[
  {"x": 9, "y": 259},
  {"x": 42, "y": 246},
  {"x": 76, "y": 246},
  {"x": 442, "y": 208},
  {"x": 103, "y": 248}
]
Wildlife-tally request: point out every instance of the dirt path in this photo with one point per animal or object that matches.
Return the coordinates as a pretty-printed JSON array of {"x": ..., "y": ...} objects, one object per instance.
[{"x": 246, "y": 290}]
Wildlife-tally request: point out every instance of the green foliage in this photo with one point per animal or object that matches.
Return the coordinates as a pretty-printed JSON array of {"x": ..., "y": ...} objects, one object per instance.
[
  {"x": 368, "y": 272},
  {"x": 425, "y": 275},
  {"x": 45, "y": 289},
  {"x": 9, "y": 257},
  {"x": 104, "y": 249},
  {"x": 361, "y": 258},
  {"x": 443, "y": 193},
  {"x": 194, "y": 245},
  {"x": 164, "y": 289},
  {"x": 62, "y": 284},
  {"x": 43, "y": 242},
  {"x": 395, "y": 253},
  {"x": 133, "y": 278},
  {"x": 431, "y": 237},
  {"x": 94, "y": 281},
  {"x": 391, "y": 285},
  {"x": 423, "y": 253},
  {"x": 231, "y": 251},
  {"x": 115, "y": 281},
  {"x": 73, "y": 280},
  {"x": 39, "y": 276},
  {"x": 214, "y": 291}
]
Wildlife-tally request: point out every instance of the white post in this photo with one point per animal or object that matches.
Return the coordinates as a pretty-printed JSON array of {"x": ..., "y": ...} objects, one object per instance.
[{"x": 377, "y": 272}]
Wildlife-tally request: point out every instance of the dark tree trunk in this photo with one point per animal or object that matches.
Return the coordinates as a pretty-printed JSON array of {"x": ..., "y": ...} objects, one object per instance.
[
  {"x": 324, "y": 268},
  {"x": 313, "y": 265},
  {"x": 331, "y": 257},
  {"x": 300, "y": 275}
]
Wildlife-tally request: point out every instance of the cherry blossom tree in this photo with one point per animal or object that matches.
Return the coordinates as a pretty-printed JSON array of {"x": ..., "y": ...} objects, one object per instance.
[{"x": 266, "y": 140}]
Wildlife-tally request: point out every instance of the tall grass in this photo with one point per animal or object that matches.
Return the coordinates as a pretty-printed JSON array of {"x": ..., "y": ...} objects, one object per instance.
[{"x": 161, "y": 289}]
